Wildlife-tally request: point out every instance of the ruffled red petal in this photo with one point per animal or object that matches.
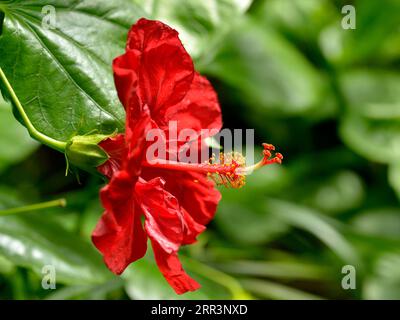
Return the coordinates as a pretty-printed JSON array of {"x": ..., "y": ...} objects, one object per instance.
[
  {"x": 172, "y": 270},
  {"x": 116, "y": 150},
  {"x": 125, "y": 69},
  {"x": 195, "y": 192},
  {"x": 198, "y": 110},
  {"x": 119, "y": 235},
  {"x": 164, "y": 221},
  {"x": 168, "y": 227},
  {"x": 157, "y": 71},
  {"x": 165, "y": 70},
  {"x": 146, "y": 35}
]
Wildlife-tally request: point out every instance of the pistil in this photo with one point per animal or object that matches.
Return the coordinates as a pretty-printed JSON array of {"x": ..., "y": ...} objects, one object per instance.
[{"x": 229, "y": 171}]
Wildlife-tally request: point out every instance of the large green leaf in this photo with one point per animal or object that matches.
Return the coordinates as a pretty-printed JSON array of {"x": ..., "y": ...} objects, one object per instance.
[
  {"x": 15, "y": 143},
  {"x": 63, "y": 76}
]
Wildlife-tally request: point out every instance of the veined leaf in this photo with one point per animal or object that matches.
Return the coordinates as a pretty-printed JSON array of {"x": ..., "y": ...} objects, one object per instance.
[{"x": 62, "y": 73}]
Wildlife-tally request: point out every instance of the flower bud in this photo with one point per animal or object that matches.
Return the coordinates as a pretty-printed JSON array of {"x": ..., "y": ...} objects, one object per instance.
[{"x": 84, "y": 151}]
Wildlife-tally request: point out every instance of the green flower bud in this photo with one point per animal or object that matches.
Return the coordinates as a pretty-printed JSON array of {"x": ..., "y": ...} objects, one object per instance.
[{"x": 84, "y": 151}]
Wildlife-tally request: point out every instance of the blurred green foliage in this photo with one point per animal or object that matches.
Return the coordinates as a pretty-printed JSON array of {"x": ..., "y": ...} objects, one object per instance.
[{"x": 329, "y": 98}]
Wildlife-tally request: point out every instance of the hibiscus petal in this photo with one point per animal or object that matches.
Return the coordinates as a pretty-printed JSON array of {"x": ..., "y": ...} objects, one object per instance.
[
  {"x": 165, "y": 225},
  {"x": 115, "y": 147},
  {"x": 121, "y": 153},
  {"x": 119, "y": 235},
  {"x": 194, "y": 192},
  {"x": 165, "y": 71},
  {"x": 157, "y": 71},
  {"x": 166, "y": 75},
  {"x": 198, "y": 110},
  {"x": 172, "y": 270},
  {"x": 193, "y": 229},
  {"x": 164, "y": 221},
  {"x": 125, "y": 75},
  {"x": 148, "y": 34},
  {"x": 135, "y": 136}
]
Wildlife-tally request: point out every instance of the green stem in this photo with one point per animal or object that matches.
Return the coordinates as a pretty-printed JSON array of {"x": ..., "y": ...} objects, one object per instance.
[
  {"x": 55, "y": 144},
  {"x": 34, "y": 207}
]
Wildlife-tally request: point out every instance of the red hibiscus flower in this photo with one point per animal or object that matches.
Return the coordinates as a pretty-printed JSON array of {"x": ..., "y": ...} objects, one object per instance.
[{"x": 157, "y": 84}]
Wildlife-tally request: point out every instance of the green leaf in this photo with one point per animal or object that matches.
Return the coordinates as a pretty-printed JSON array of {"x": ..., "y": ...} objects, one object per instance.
[
  {"x": 15, "y": 143},
  {"x": 316, "y": 224},
  {"x": 32, "y": 241},
  {"x": 63, "y": 75},
  {"x": 270, "y": 75},
  {"x": 371, "y": 125},
  {"x": 381, "y": 222}
]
